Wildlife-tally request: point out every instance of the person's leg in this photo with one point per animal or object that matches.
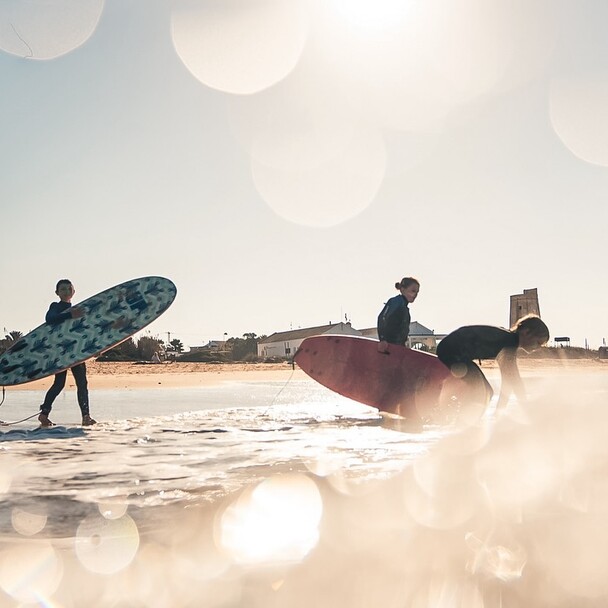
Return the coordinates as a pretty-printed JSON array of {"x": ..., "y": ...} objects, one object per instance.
[
  {"x": 49, "y": 398},
  {"x": 82, "y": 391},
  {"x": 481, "y": 390},
  {"x": 466, "y": 393}
]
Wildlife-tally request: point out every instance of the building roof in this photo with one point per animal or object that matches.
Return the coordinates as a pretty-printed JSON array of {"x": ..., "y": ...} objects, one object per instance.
[
  {"x": 416, "y": 329},
  {"x": 297, "y": 334}
]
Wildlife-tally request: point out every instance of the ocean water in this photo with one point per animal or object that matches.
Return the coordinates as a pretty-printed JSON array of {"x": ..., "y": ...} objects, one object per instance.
[{"x": 285, "y": 494}]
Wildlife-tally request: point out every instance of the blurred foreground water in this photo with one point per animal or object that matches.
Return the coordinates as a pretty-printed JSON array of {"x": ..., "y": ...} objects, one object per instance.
[{"x": 269, "y": 494}]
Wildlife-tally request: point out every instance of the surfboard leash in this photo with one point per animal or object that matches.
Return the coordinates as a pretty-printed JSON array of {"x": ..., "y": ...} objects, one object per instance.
[
  {"x": 3, "y": 422},
  {"x": 293, "y": 369}
]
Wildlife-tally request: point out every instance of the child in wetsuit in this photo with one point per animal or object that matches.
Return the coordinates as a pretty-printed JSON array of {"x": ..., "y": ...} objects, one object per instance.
[
  {"x": 57, "y": 313},
  {"x": 458, "y": 349},
  {"x": 394, "y": 319}
]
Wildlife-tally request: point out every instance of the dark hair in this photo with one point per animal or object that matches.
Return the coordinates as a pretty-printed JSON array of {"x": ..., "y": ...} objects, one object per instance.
[
  {"x": 534, "y": 325},
  {"x": 406, "y": 282},
  {"x": 61, "y": 282}
]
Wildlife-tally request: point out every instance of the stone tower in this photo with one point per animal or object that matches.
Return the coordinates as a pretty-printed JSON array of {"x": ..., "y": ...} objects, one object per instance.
[{"x": 523, "y": 304}]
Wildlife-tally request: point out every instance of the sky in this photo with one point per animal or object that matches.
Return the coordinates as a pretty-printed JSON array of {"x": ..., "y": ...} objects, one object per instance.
[{"x": 285, "y": 163}]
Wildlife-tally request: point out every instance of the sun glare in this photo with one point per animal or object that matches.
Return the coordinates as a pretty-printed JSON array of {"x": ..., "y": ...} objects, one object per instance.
[
  {"x": 276, "y": 521},
  {"x": 40, "y": 29},
  {"x": 106, "y": 546},
  {"x": 370, "y": 15},
  {"x": 30, "y": 572},
  {"x": 236, "y": 47},
  {"x": 26, "y": 522},
  {"x": 579, "y": 115}
]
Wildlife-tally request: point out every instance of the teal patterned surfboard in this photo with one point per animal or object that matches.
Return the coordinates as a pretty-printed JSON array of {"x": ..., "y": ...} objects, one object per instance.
[{"x": 110, "y": 317}]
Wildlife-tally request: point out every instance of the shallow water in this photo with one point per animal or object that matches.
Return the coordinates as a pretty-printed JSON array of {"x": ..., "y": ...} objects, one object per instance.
[
  {"x": 165, "y": 446},
  {"x": 269, "y": 494}
]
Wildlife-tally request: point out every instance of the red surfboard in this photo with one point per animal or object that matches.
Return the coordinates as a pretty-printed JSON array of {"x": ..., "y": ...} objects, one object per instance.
[{"x": 400, "y": 381}]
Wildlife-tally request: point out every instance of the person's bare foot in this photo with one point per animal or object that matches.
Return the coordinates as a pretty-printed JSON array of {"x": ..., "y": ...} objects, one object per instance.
[
  {"x": 88, "y": 421},
  {"x": 44, "y": 421}
]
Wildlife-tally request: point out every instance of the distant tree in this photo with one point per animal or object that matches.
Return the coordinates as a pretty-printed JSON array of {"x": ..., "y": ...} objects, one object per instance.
[
  {"x": 244, "y": 348},
  {"x": 13, "y": 336},
  {"x": 147, "y": 346},
  {"x": 176, "y": 346},
  {"x": 125, "y": 351},
  {"x": 9, "y": 339}
]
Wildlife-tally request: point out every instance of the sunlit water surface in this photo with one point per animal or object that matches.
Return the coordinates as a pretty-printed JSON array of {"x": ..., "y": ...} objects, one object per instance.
[
  {"x": 284, "y": 494},
  {"x": 212, "y": 442}
]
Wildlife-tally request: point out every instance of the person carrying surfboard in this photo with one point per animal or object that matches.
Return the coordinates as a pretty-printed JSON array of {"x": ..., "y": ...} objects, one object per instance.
[
  {"x": 458, "y": 349},
  {"x": 57, "y": 313},
  {"x": 394, "y": 319}
]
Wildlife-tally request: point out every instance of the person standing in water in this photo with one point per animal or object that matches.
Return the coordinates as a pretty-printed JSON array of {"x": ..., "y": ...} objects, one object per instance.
[
  {"x": 394, "y": 319},
  {"x": 57, "y": 313}
]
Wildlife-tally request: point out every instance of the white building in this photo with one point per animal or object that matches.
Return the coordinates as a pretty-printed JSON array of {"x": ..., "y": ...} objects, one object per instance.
[
  {"x": 419, "y": 337},
  {"x": 213, "y": 346},
  {"x": 285, "y": 344}
]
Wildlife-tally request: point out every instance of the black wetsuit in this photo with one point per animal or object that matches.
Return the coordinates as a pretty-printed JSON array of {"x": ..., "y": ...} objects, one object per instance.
[
  {"x": 57, "y": 313},
  {"x": 475, "y": 342},
  {"x": 394, "y": 321}
]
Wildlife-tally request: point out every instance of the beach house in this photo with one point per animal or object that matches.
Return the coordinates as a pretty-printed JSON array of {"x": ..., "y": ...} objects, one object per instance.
[
  {"x": 285, "y": 343},
  {"x": 420, "y": 337}
]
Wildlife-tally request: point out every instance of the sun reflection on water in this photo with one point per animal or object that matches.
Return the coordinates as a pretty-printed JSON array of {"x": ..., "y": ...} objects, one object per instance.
[
  {"x": 106, "y": 546},
  {"x": 278, "y": 520},
  {"x": 30, "y": 572}
]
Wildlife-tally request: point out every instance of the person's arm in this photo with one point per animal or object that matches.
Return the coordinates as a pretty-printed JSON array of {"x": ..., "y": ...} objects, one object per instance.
[
  {"x": 511, "y": 381},
  {"x": 56, "y": 315}
]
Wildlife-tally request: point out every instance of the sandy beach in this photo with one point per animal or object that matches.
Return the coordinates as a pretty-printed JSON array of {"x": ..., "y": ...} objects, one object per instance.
[{"x": 134, "y": 375}]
